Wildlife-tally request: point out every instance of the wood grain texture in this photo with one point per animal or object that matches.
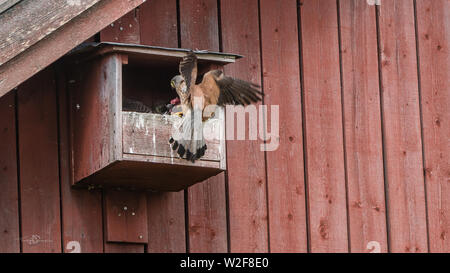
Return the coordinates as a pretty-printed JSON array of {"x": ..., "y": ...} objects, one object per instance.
[
  {"x": 149, "y": 134},
  {"x": 62, "y": 41},
  {"x": 165, "y": 32},
  {"x": 409, "y": 179},
  {"x": 323, "y": 123},
  {"x": 433, "y": 22},
  {"x": 95, "y": 107},
  {"x": 137, "y": 172},
  {"x": 125, "y": 217},
  {"x": 199, "y": 24},
  {"x": 30, "y": 21},
  {"x": 166, "y": 218},
  {"x": 6, "y": 4},
  {"x": 401, "y": 122},
  {"x": 363, "y": 134},
  {"x": 207, "y": 216},
  {"x": 9, "y": 205},
  {"x": 81, "y": 209},
  {"x": 126, "y": 29},
  {"x": 246, "y": 171},
  {"x": 165, "y": 210},
  {"x": 39, "y": 179},
  {"x": 124, "y": 248},
  {"x": 166, "y": 224},
  {"x": 281, "y": 78},
  {"x": 118, "y": 230},
  {"x": 207, "y": 205}
]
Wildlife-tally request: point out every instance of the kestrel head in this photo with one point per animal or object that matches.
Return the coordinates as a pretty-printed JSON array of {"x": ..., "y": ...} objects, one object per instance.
[{"x": 179, "y": 85}]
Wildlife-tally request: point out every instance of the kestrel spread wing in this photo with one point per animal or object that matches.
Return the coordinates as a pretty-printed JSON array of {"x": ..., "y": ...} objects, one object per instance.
[
  {"x": 223, "y": 90},
  {"x": 188, "y": 69},
  {"x": 215, "y": 89}
]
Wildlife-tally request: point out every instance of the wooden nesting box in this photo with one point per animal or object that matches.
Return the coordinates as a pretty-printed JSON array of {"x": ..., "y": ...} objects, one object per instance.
[{"x": 114, "y": 148}]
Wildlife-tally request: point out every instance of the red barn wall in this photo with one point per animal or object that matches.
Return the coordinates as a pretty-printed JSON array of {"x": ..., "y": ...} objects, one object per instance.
[{"x": 364, "y": 157}]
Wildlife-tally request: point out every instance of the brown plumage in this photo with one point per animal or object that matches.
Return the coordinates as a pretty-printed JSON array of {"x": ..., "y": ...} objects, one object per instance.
[{"x": 216, "y": 89}]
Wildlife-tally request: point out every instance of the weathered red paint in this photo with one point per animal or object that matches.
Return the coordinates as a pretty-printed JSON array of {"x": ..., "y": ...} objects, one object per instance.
[
  {"x": 206, "y": 201},
  {"x": 124, "y": 30},
  {"x": 165, "y": 32},
  {"x": 433, "y": 22},
  {"x": 254, "y": 225},
  {"x": 166, "y": 219},
  {"x": 39, "y": 174},
  {"x": 246, "y": 171},
  {"x": 362, "y": 125},
  {"x": 125, "y": 217},
  {"x": 323, "y": 125},
  {"x": 18, "y": 69},
  {"x": 281, "y": 78},
  {"x": 9, "y": 205},
  {"x": 81, "y": 210},
  {"x": 402, "y": 129}
]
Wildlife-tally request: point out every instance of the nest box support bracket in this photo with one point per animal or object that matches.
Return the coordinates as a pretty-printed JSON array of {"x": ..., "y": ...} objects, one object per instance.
[{"x": 126, "y": 216}]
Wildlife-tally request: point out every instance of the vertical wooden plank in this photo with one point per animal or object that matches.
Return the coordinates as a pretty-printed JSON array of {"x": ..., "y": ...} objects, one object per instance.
[
  {"x": 165, "y": 31},
  {"x": 94, "y": 97},
  {"x": 38, "y": 153},
  {"x": 199, "y": 24},
  {"x": 166, "y": 218},
  {"x": 323, "y": 127},
  {"x": 363, "y": 134},
  {"x": 125, "y": 217},
  {"x": 246, "y": 171},
  {"x": 124, "y": 30},
  {"x": 281, "y": 77},
  {"x": 124, "y": 248},
  {"x": 9, "y": 206},
  {"x": 166, "y": 223},
  {"x": 81, "y": 209},
  {"x": 433, "y": 22},
  {"x": 207, "y": 216},
  {"x": 401, "y": 121},
  {"x": 206, "y": 201},
  {"x": 110, "y": 247}
]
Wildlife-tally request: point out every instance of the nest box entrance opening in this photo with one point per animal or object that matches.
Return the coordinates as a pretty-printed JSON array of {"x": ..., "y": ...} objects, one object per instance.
[{"x": 113, "y": 146}]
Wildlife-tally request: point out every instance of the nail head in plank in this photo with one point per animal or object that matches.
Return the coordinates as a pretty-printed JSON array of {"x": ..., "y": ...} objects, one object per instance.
[{"x": 126, "y": 216}]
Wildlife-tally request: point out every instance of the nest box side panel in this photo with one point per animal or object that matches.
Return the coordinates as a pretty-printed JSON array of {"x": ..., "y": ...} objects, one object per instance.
[
  {"x": 96, "y": 103},
  {"x": 81, "y": 210}
]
